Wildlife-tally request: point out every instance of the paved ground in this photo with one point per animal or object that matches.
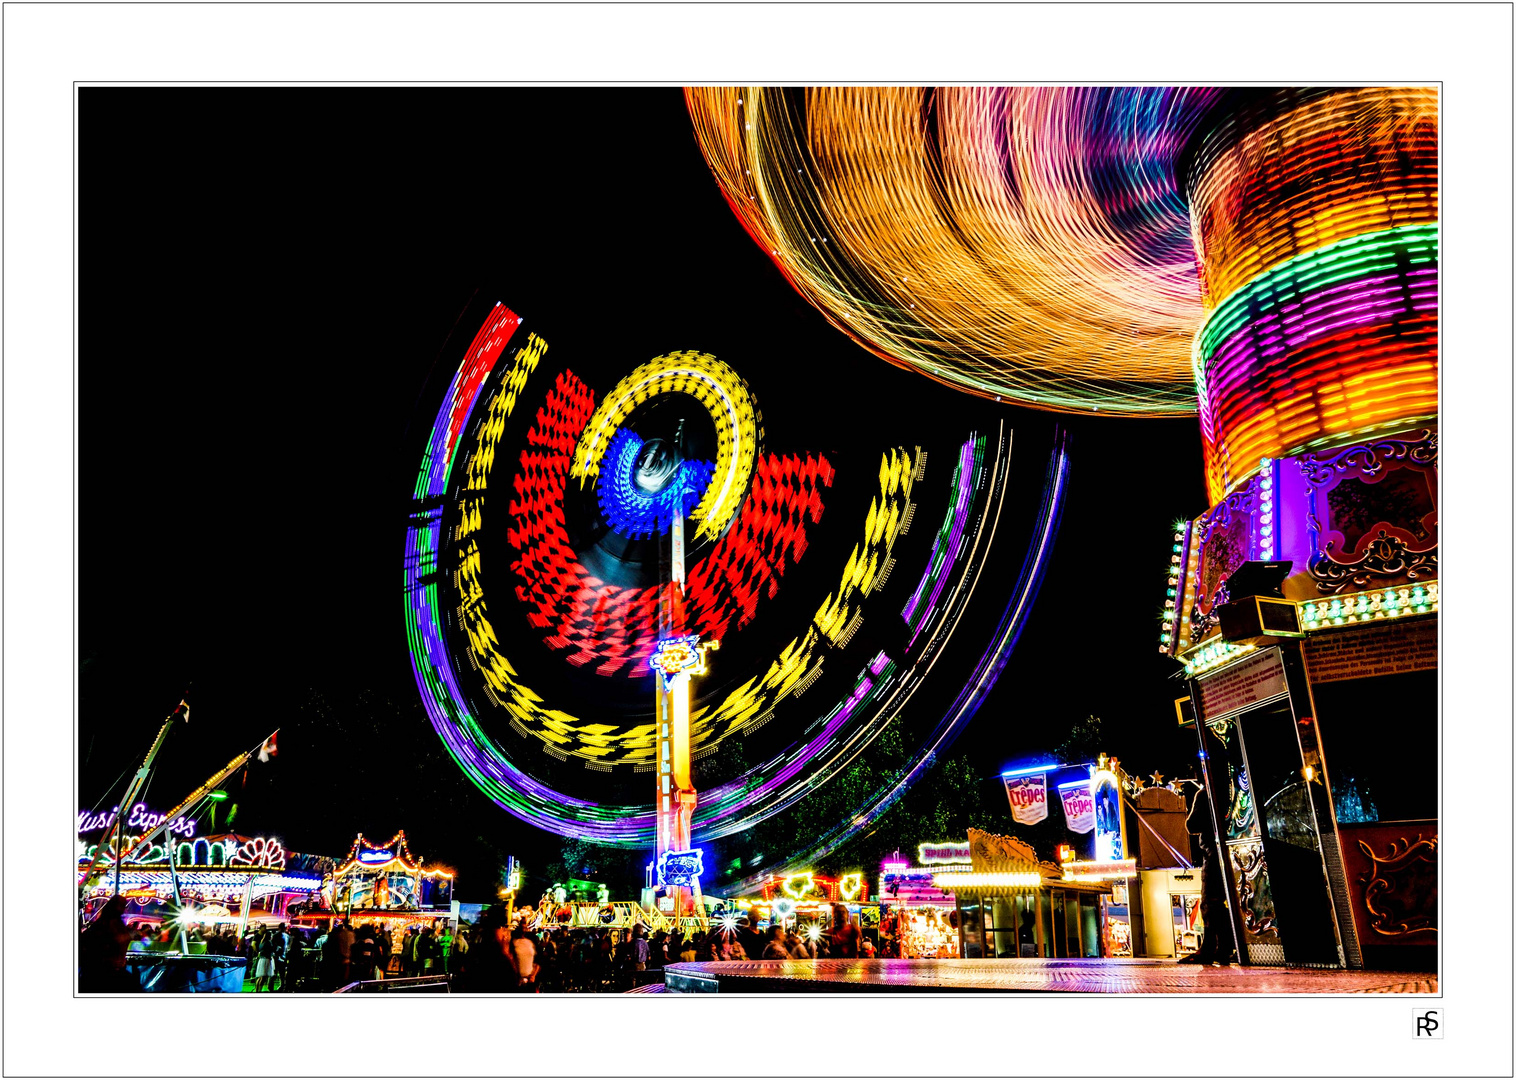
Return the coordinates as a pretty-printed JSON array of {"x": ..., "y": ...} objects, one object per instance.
[{"x": 1029, "y": 976}]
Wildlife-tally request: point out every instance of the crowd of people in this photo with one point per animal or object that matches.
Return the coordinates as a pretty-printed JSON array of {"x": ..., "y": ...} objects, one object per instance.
[
  {"x": 503, "y": 958},
  {"x": 349, "y": 954},
  {"x": 493, "y": 956},
  {"x": 280, "y": 957}
]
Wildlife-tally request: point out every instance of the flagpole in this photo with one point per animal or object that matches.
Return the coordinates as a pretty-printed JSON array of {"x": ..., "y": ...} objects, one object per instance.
[
  {"x": 199, "y": 793},
  {"x": 132, "y": 791}
]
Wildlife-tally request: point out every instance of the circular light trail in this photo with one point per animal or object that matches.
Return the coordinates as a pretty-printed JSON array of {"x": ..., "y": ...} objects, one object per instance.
[
  {"x": 471, "y": 689},
  {"x": 1026, "y": 243}
]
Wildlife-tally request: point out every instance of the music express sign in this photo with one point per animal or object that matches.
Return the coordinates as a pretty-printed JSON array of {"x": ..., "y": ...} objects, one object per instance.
[{"x": 1029, "y": 797}]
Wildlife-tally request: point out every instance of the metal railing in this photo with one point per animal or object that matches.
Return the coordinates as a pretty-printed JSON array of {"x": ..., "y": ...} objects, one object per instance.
[{"x": 419, "y": 984}]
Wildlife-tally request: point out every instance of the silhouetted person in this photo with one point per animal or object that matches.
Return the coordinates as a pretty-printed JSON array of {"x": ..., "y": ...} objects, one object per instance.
[
  {"x": 1216, "y": 945},
  {"x": 102, "y": 952}
]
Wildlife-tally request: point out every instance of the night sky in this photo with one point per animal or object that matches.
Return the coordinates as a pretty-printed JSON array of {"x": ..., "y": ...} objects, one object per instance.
[{"x": 275, "y": 286}]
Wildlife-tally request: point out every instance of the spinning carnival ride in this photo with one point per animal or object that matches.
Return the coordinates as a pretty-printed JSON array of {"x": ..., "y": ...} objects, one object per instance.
[
  {"x": 1266, "y": 255},
  {"x": 646, "y": 532}
]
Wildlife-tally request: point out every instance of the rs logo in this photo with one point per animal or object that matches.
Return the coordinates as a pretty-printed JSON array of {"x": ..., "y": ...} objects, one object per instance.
[{"x": 1428, "y": 1023}]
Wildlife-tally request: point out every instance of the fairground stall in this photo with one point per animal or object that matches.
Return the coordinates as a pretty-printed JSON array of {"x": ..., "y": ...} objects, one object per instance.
[
  {"x": 1010, "y": 904},
  {"x": 915, "y": 911},
  {"x": 803, "y": 901},
  {"x": 385, "y": 886},
  {"x": 223, "y": 878},
  {"x": 1138, "y": 843}
]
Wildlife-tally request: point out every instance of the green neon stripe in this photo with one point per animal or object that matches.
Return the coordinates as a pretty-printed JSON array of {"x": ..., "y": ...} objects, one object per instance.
[{"x": 1359, "y": 256}]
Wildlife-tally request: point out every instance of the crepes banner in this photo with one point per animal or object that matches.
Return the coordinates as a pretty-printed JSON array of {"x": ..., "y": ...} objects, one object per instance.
[
  {"x": 1029, "y": 797},
  {"x": 1078, "y": 808}
]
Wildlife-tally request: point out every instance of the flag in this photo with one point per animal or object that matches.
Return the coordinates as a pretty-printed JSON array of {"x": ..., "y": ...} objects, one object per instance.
[
  {"x": 270, "y": 747},
  {"x": 1078, "y": 807},
  {"x": 1029, "y": 798}
]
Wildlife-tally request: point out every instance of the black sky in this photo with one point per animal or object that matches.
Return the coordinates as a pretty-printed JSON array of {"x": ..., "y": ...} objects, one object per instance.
[{"x": 273, "y": 284}]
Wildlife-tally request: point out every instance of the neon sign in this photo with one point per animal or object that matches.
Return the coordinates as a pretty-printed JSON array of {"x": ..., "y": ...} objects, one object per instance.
[
  {"x": 798, "y": 886},
  {"x": 382, "y": 856},
  {"x": 141, "y": 819},
  {"x": 948, "y": 851},
  {"x": 680, "y": 868},
  {"x": 676, "y": 656},
  {"x": 1012, "y": 879},
  {"x": 260, "y": 851},
  {"x": 850, "y": 885},
  {"x": 1101, "y": 870}
]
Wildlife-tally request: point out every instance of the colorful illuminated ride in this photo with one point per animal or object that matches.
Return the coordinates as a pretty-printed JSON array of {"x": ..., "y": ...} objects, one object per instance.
[
  {"x": 634, "y": 539},
  {"x": 1268, "y": 255}
]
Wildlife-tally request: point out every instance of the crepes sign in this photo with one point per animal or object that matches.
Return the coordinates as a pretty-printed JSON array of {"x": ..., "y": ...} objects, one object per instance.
[
  {"x": 1029, "y": 797},
  {"x": 1078, "y": 806}
]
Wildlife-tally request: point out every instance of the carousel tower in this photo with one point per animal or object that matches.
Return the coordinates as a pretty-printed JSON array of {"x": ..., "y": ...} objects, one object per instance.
[
  {"x": 1314, "y": 214},
  {"x": 1309, "y": 587}
]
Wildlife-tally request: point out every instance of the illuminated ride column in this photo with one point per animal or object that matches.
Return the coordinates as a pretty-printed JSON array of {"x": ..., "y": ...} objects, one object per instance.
[
  {"x": 1315, "y": 219},
  {"x": 677, "y": 658}
]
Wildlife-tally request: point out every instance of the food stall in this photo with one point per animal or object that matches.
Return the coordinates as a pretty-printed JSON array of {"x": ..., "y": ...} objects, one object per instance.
[
  {"x": 1010, "y": 904},
  {"x": 917, "y": 912}
]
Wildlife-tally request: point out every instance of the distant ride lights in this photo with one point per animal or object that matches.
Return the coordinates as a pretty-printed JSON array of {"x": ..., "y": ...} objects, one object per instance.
[{"x": 633, "y": 533}]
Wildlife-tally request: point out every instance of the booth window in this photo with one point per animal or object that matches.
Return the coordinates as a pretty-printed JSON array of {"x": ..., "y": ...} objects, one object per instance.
[{"x": 1368, "y": 726}]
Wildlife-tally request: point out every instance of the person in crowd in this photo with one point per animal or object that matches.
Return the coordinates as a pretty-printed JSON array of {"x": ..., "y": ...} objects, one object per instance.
[
  {"x": 845, "y": 935},
  {"x": 524, "y": 955},
  {"x": 365, "y": 953},
  {"x": 385, "y": 947},
  {"x": 426, "y": 957},
  {"x": 410, "y": 947},
  {"x": 604, "y": 957},
  {"x": 731, "y": 949},
  {"x": 102, "y": 952},
  {"x": 461, "y": 945},
  {"x": 445, "y": 939},
  {"x": 283, "y": 944},
  {"x": 347, "y": 943},
  {"x": 329, "y": 961},
  {"x": 775, "y": 949},
  {"x": 488, "y": 966},
  {"x": 640, "y": 948},
  {"x": 1216, "y": 942},
  {"x": 585, "y": 953},
  {"x": 265, "y": 957},
  {"x": 795, "y": 947},
  {"x": 747, "y": 934}
]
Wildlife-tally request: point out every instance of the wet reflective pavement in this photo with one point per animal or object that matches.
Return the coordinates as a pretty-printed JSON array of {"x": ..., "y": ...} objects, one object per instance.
[{"x": 1028, "y": 976}]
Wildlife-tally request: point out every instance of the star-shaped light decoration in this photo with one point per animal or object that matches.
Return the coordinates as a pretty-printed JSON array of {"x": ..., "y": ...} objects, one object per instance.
[{"x": 1157, "y": 779}]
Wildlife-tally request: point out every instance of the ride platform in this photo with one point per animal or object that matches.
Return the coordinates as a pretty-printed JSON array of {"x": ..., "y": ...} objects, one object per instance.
[{"x": 1027, "y": 976}]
